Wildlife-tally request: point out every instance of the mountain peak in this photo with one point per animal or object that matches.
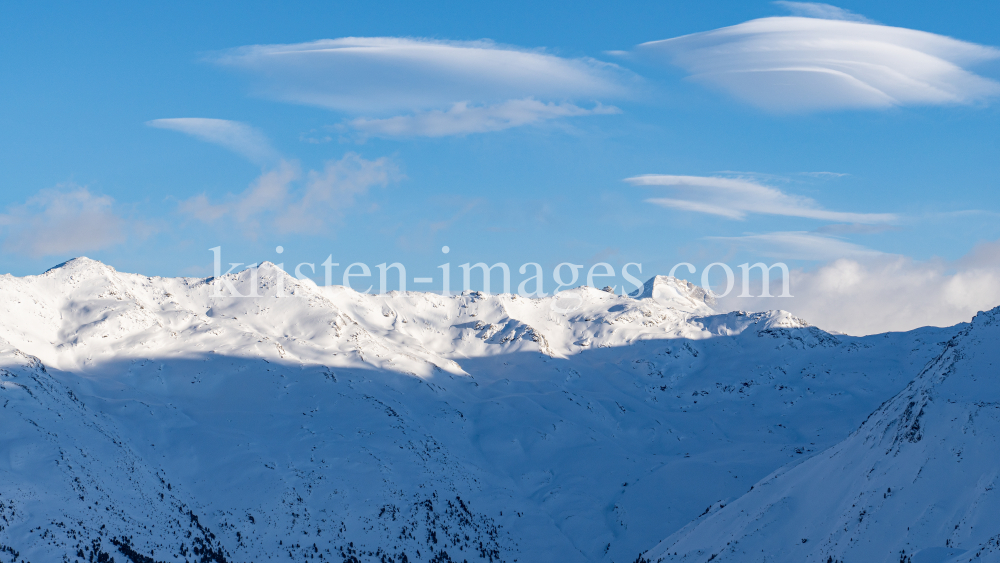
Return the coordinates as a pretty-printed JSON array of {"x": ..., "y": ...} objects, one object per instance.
[
  {"x": 77, "y": 264},
  {"x": 678, "y": 293}
]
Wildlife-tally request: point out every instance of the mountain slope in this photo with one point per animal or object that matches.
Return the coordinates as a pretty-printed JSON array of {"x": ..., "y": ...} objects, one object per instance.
[
  {"x": 916, "y": 483},
  {"x": 70, "y": 480}
]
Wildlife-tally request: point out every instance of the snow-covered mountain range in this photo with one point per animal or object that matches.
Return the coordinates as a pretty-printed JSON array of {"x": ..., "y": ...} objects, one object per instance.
[{"x": 146, "y": 420}]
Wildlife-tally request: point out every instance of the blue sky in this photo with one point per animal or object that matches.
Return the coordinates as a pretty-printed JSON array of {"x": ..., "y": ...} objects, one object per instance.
[{"x": 507, "y": 131}]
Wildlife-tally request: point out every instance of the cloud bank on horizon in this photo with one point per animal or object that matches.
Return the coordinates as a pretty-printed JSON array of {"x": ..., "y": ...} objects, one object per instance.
[
  {"x": 867, "y": 294},
  {"x": 830, "y": 60}
]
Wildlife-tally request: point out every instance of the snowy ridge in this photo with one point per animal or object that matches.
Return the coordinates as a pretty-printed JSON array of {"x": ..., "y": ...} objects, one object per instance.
[
  {"x": 327, "y": 424},
  {"x": 917, "y": 482},
  {"x": 83, "y": 307},
  {"x": 677, "y": 293}
]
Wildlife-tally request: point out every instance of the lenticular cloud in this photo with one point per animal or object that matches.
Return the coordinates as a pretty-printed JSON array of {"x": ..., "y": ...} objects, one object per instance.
[
  {"x": 804, "y": 64},
  {"x": 736, "y": 197},
  {"x": 386, "y": 74}
]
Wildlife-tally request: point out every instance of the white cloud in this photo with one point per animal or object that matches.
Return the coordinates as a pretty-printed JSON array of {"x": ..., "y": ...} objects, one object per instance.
[
  {"x": 888, "y": 292},
  {"x": 238, "y": 137},
  {"x": 805, "y": 63},
  {"x": 365, "y": 74},
  {"x": 450, "y": 87},
  {"x": 328, "y": 193},
  {"x": 825, "y": 174},
  {"x": 799, "y": 245},
  {"x": 822, "y": 11},
  {"x": 734, "y": 198},
  {"x": 464, "y": 118},
  {"x": 312, "y": 208},
  {"x": 66, "y": 220}
]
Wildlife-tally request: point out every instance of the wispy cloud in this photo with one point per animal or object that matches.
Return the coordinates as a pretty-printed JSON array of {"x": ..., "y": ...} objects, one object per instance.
[
  {"x": 827, "y": 62},
  {"x": 269, "y": 192},
  {"x": 765, "y": 177},
  {"x": 735, "y": 198},
  {"x": 822, "y": 11},
  {"x": 64, "y": 220},
  {"x": 330, "y": 192},
  {"x": 464, "y": 118},
  {"x": 238, "y": 137},
  {"x": 825, "y": 174},
  {"x": 283, "y": 200},
  {"x": 444, "y": 87},
  {"x": 798, "y": 245},
  {"x": 854, "y": 229}
]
